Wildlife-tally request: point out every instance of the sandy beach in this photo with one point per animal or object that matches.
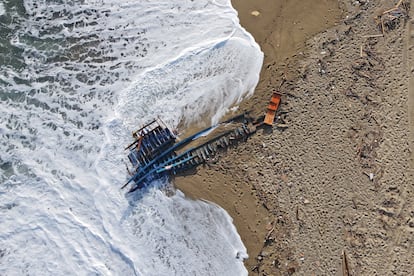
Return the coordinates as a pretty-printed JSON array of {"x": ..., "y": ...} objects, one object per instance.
[{"x": 328, "y": 190}]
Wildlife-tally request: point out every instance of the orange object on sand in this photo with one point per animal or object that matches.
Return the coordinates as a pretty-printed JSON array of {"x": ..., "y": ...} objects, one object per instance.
[{"x": 272, "y": 108}]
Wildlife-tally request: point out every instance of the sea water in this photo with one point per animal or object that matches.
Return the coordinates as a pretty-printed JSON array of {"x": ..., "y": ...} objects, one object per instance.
[{"x": 76, "y": 77}]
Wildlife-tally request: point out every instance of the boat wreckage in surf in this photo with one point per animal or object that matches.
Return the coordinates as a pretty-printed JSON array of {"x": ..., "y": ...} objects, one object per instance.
[{"x": 155, "y": 152}]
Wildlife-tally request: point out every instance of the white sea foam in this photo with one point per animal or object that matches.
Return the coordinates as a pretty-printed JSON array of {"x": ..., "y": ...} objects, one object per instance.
[
  {"x": 2, "y": 10},
  {"x": 93, "y": 72}
]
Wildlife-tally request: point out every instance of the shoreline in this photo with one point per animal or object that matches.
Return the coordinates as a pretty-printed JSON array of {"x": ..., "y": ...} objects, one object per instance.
[
  {"x": 250, "y": 215},
  {"x": 334, "y": 186}
]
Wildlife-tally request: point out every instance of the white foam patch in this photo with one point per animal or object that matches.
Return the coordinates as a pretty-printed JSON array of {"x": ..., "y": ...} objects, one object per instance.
[
  {"x": 171, "y": 220},
  {"x": 93, "y": 71},
  {"x": 209, "y": 79},
  {"x": 2, "y": 9}
]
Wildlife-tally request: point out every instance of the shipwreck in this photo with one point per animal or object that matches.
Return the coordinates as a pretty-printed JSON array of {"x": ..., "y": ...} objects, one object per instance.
[{"x": 156, "y": 152}]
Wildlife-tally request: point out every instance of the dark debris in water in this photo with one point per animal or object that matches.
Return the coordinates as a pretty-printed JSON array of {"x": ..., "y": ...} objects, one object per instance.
[
  {"x": 3, "y": 252},
  {"x": 8, "y": 206}
]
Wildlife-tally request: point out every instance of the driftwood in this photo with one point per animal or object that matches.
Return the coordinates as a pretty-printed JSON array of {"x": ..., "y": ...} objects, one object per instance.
[
  {"x": 389, "y": 19},
  {"x": 345, "y": 265},
  {"x": 297, "y": 212},
  {"x": 268, "y": 235},
  {"x": 372, "y": 36}
]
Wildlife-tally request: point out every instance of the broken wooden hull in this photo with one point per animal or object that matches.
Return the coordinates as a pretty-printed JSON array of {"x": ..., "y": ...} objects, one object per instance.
[{"x": 154, "y": 155}]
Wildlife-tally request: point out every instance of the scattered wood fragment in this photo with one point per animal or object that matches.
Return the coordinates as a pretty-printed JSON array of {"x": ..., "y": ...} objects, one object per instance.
[
  {"x": 282, "y": 125},
  {"x": 390, "y": 10},
  {"x": 270, "y": 232},
  {"x": 372, "y": 36},
  {"x": 399, "y": 3},
  {"x": 345, "y": 265},
  {"x": 370, "y": 176},
  {"x": 354, "y": 203},
  {"x": 389, "y": 19},
  {"x": 382, "y": 26},
  {"x": 297, "y": 212}
]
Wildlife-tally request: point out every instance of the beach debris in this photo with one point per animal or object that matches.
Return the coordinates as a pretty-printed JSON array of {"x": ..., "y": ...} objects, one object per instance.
[
  {"x": 345, "y": 265},
  {"x": 348, "y": 19},
  {"x": 255, "y": 13},
  {"x": 154, "y": 152},
  {"x": 370, "y": 176},
  {"x": 282, "y": 126},
  {"x": 306, "y": 201},
  {"x": 360, "y": 2},
  {"x": 276, "y": 263},
  {"x": 354, "y": 203},
  {"x": 322, "y": 67},
  {"x": 349, "y": 92},
  {"x": 390, "y": 19},
  {"x": 238, "y": 256},
  {"x": 272, "y": 108},
  {"x": 372, "y": 36},
  {"x": 269, "y": 239},
  {"x": 297, "y": 212}
]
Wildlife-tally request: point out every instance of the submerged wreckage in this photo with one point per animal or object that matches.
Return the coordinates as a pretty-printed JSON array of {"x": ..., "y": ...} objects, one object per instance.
[{"x": 155, "y": 152}]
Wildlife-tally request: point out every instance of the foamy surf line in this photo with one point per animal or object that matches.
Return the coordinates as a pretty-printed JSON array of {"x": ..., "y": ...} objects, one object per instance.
[
  {"x": 78, "y": 79},
  {"x": 2, "y": 10}
]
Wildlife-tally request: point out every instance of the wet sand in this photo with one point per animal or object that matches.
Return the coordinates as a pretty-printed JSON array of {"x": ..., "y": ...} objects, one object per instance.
[
  {"x": 336, "y": 177},
  {"x": 273, "y": 30}
]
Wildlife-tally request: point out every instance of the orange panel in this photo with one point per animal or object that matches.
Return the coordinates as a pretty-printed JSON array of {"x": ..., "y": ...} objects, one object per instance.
[
  {"x": 271, "y": 109},
  {"x": 272, "y": 106},
  {"x": 270, "y": 117}
]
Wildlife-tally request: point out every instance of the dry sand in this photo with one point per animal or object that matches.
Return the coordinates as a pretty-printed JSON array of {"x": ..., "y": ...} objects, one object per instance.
[{"x": 338, "y": 178}]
